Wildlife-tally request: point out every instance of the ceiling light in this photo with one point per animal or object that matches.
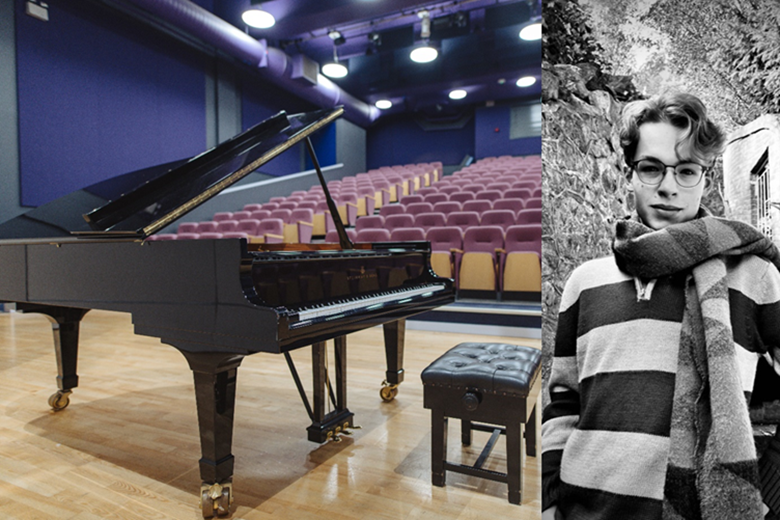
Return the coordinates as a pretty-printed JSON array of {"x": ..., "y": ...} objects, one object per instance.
[
  {"x": 424, "y": 54},
  {"x": 526, "y": 81},
  {"x": 254, "y": 16},
  {"x": 531, "y": 32},
  {"x": 458, "y": 94},
  {"x": 384, "y": 104},
  {"x": 334, "y": 70}
]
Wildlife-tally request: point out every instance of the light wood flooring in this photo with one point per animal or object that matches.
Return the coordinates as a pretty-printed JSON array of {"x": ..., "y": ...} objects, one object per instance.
[{"x": 127, "y": 446}]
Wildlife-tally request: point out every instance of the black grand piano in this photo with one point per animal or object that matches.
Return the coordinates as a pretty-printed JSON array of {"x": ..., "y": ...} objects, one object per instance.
[{"x": 215, "y": 301}]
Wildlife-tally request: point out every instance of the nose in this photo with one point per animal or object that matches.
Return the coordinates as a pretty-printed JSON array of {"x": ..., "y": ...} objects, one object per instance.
[{"x": 668, "y": 182}]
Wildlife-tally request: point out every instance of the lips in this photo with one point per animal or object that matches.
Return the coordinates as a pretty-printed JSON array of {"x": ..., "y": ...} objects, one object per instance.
[{"x": 664, "y": 207}]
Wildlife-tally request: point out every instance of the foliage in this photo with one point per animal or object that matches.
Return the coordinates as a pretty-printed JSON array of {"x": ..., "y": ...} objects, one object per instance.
[{"x": 566, "y": 35}]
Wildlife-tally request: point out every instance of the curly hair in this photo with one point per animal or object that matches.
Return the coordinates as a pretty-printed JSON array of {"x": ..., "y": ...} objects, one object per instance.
[{"x": 681, "y": 110}]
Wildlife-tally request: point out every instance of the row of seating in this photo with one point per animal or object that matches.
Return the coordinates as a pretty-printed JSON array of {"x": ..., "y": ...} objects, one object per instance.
[
  {"x": 460, "y": 219},
  {"x": 446, "y": 207},
  {"x": 484, "y": 260}
]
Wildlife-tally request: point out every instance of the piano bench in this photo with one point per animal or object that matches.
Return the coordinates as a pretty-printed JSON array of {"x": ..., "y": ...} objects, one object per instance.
[{"x": 491, "y": 387}]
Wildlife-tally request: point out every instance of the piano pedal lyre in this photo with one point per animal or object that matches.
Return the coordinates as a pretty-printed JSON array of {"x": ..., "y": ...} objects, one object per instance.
[
  {"x": 388, "y": 391},
  {"x": 216, "y": 499}
]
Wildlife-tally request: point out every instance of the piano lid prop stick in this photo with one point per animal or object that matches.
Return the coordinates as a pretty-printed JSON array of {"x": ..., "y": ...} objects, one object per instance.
[{"x": 344, "y": 240}]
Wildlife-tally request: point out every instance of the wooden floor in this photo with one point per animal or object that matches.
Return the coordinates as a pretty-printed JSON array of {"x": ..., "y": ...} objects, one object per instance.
[{"x": 127, "y": 446}]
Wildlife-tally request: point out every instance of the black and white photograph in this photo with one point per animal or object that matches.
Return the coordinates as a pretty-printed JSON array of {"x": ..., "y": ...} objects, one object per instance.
[{"x": 661, "y": 290}]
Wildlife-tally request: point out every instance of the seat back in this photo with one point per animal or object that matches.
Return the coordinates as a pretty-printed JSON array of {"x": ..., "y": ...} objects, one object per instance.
[
  {"x": 429, "y": 220},
  {"x": 498, "y": 217},
  {"x": 408, "y": 234}
]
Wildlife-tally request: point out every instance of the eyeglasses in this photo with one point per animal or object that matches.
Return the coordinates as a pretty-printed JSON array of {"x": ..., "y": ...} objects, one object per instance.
[{"x": 686, "y": 174}]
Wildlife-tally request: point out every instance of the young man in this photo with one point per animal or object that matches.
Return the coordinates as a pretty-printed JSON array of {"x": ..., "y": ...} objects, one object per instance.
[{"x": 657, "y": 346}]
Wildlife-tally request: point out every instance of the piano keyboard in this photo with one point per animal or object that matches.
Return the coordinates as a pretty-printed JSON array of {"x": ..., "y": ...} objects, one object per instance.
[{"x": 339, "y": 309}]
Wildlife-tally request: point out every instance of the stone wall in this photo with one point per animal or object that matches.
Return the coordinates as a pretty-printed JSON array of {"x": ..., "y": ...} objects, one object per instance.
[{"x": 583, "y": 186}]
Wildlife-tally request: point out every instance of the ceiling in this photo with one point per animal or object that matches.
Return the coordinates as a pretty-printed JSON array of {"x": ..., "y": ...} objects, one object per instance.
[{"x": 478, "y": 43}]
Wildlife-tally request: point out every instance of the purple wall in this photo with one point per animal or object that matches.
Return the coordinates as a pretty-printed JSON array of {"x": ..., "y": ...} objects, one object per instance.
[
  {"x": 400, "y": 140},
  {"x": 492, "y": 135},
  {"x": 261, "y": 100},
  {"x": 101, "y": 95}
]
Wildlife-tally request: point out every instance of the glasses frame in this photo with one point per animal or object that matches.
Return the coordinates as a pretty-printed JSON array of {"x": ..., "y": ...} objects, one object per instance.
[{"x": 705, "y": 170}]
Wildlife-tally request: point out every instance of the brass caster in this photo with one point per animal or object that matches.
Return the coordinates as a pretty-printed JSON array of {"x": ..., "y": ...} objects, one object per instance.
[
  {"x": 215, "y": 499},
  {"x": 59, "y": 400},
  {"x": 388, "y": 391}
]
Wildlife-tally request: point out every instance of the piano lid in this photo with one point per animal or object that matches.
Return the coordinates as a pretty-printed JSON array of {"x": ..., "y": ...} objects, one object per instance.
[{"x": 140, "y": 203}]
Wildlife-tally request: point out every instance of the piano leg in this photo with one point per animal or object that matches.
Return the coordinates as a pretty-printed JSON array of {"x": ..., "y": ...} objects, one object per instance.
[
  {"x": 326, "y": 426},
  {"x": 215, "y": 393},
  {"x": 394, "y": 352},
  {"x": 65, "y": 324}
]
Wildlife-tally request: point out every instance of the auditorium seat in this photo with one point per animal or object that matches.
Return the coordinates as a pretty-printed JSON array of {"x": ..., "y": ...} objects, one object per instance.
[
  {"x": 462, "y": 196},
  {"x": 513, "y": 205},
  {"x": 480, "y": 206},
  {"x": 187, "y": 227},
  {"x": 333, "y": 236},
  {"x": 429, "y": 220},
  {"x": 209, "y": 226},
  {"x": 446, "y": 248},
  {"x": 463, "y": 219},
  {"x": 521, "y": 270},
  {"x": 370, "y": 221},
  {"x": 409, "y": 234},
  {"x": 416, "y": 208},
  {"x": 533, "y": 202},
  {"x": 303, "y": 220},
  {"x": 271, "y": 230},
  {"x": 391, "y": 209},
  {"x": 478, "y": 272},
  {"x": 398, "y": 221},
  {"x": 447, "y": 207},
  {"x": 491, "y": 195},
  {"x": 222, "y": 215},
  {"x": 529, "y": 216},
  {"x": 373, "y": 235},
  {"x": 248, "y": 226},
  {"x": 498, "y": 217}
]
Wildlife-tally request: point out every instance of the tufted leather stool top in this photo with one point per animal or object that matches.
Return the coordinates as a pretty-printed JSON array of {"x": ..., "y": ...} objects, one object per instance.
[{"x": 491, "y": 368}]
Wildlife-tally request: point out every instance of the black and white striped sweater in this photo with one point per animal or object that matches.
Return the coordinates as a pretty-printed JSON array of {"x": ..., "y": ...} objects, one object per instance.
[{"x": 605, "y": 433}]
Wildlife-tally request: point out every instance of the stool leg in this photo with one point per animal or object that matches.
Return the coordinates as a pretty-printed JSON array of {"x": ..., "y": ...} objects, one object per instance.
[
  {"x": 465, "y": 432},
  {"x": 530, "y": 434},
  {"x": 439, "y": 447},
  {"x": 514, "y": 465}
]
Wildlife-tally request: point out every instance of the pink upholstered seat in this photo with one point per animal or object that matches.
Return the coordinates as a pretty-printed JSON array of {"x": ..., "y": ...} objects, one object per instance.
[{"x": 410, "y": 234}]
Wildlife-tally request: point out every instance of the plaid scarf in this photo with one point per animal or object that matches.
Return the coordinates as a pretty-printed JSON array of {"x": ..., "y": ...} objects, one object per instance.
[{"x": 712, "y": 471}]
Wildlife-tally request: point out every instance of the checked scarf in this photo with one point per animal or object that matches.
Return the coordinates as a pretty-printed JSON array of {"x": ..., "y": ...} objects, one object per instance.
[{"x": 712, "y": 471}]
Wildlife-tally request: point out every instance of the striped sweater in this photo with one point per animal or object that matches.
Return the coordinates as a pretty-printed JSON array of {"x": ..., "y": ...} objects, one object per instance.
[{"x": 605, "y": 432}]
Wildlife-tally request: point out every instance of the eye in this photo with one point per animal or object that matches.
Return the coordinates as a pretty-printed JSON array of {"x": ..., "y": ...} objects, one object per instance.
[
  {"x": 688, "y": 170},
  {"x": 649, "y": 167}
]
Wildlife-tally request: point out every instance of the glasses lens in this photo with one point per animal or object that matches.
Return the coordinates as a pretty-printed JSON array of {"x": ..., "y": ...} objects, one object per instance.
[
  {"x": 688, "y": 174},
  {"x": 650, "y": 171}
]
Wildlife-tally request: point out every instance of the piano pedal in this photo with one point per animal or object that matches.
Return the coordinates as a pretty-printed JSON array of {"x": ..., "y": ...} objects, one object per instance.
[
  {"x": 388, "y": 391},
  {"x": 216, "y": 499}
]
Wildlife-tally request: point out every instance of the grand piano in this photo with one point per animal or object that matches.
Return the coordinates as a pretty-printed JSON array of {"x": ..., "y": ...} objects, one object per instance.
[{"x": 216, "y": 301}]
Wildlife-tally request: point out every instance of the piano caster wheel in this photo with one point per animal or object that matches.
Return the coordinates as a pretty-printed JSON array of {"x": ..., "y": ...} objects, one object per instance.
[
  {"x": 215, "y": 499},
  {"x": 59, "y": 400},
  {"x": 388, "y": 391}
]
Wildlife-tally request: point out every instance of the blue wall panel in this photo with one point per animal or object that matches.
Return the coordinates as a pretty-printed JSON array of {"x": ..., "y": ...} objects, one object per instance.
[
  {"x": 100, "y": 95},
  {"x": 491, "y": 138},
  {"x": 401, "y": 140},
  {"x": 261, "y": 100}
]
